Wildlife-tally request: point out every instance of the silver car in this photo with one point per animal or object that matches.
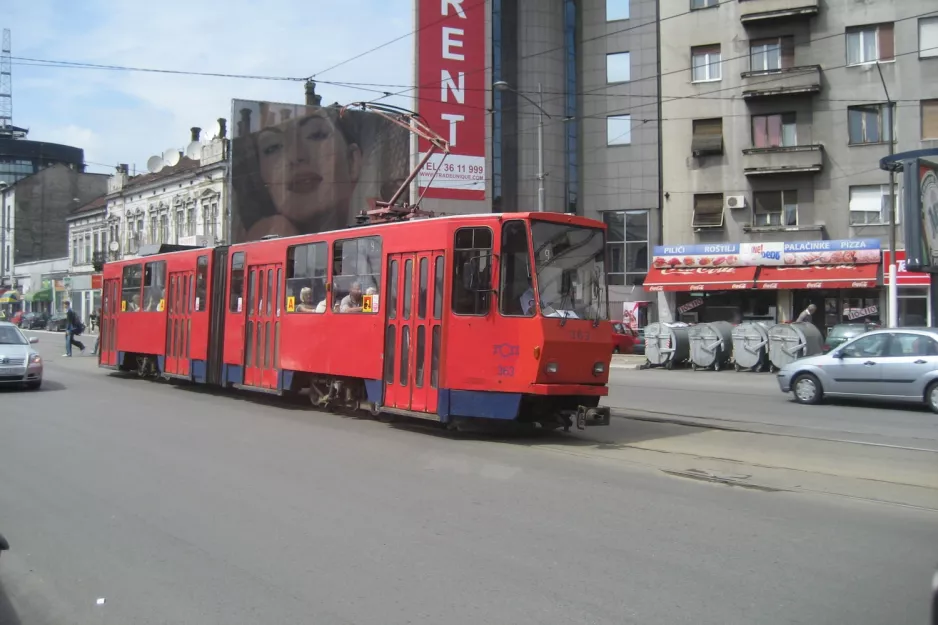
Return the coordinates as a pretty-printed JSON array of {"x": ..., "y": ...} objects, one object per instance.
[
  {"x": 20, "y": 364},
  {"x": 898, "y": 364}
]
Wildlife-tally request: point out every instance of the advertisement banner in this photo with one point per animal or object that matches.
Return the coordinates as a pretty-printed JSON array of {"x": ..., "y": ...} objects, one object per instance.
[
  {"x": 904, "y": 277},
  {"x": 452, "y": 95},
  {"x": 795, "y": 253},
  {"x": 929, "y": 185},
  {"x": 301, "y": 169}
]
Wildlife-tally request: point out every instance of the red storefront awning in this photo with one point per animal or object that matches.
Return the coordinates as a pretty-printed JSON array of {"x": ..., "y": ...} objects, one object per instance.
[
  {"x": 701, "y": 279},
  {"x": 819, "y": 277}
]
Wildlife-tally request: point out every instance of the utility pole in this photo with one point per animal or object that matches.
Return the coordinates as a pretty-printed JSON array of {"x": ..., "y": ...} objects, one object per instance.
[
  {"x": 893, "y": 290},
  {"x": 501, "y": 85}
]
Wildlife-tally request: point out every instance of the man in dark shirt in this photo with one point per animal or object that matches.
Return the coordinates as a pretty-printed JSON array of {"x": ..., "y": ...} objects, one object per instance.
[{"x": 72, "y": 327}]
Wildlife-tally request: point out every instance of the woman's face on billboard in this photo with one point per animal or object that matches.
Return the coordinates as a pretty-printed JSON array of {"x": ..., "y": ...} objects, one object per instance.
[{"x": 310, "y": 170}]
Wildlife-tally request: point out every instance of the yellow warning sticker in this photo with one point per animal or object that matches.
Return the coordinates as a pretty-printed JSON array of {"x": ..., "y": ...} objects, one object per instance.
[
  {"x": 123, "y": 305},
  {"x": 159, "y": 307},
  {"x": 291, "y": 304},
  {"x": 366, "y": 304}
]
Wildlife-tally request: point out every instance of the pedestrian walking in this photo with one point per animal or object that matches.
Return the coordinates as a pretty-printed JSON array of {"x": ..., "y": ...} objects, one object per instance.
[
  {"x": 73, "y": 328},
  {"x": 807, "y": 314}
]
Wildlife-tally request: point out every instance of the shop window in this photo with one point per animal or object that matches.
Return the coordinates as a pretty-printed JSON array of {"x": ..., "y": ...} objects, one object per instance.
[
  {"x": 913, "y": 306},
  {"x": 618, "y": 67},
  {"x": 869, "y": 123},
  {"x": 774, "y": 131},
  {"x": 619, "y": 130},
  {"x": 154, "y": 285},
  {"x": 772, "y": 55},
  {"x": 708, "y": 210},
  {"x": 930, "y": 119},
  {"x": 236, "y": 287},
  {"x": 708, "y": 137},
  {"x": 472, "y": 252},
  {"x": 928, "y": 37},
  {"x": 626, "y": 246},
  {"x": 775, "y": 208},
  {"x": 869, "y": 205},
  {"x": 706, "y": 63},
  {"x": 306, "y": 278},
  {"x": 516, "y": 295},
  {"x": 356, "y": 271},
  {"x": 131, "y": 281},
  {"x": 871, "y": 43}
]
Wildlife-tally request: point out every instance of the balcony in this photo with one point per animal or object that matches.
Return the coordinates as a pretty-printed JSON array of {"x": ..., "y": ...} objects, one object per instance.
[
  {"x": 758, "y": 11},
  {"x": 781, "y": 82},
  {"x": 797, "y": 159}
]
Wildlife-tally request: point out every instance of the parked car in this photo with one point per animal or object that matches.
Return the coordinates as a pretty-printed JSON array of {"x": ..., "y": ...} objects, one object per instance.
[
  {"x": 57, "y": 323},
  {"x": 843, "y": 332},
  {"x": 17, "y": 317},
  {"x": 897, "y": 364},
  {"x": 20, "y": 363},
  {"x": 623, "y": 339},
  {"x": 34, "y": 321}
]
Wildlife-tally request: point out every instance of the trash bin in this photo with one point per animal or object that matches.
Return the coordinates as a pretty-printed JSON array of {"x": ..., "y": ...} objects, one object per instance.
[
  {"x": 711, "y": 345},
  {"x": 790, "y": 341},
  {"x": 666, "y": 344},
  {"x": 751, "y": 345}
]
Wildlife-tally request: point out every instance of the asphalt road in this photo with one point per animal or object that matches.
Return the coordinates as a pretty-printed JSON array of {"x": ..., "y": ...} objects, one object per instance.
[
  {"x": 754, "y": 401},
  {"x": 182, "y": 506}
]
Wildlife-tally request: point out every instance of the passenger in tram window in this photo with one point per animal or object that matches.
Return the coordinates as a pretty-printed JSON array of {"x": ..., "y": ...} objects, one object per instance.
[
  {"x": 134, "y": 304},
  {"x": 306, "y": 301},
  {"x": 353, "y": 301}
]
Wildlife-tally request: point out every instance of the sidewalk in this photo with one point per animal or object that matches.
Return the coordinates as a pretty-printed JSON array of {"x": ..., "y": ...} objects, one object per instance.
[{"x": 627, "y": 361}]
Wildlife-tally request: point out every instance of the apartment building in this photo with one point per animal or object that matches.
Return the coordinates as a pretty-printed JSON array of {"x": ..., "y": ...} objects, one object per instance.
[{"x": 775, "y": 114}]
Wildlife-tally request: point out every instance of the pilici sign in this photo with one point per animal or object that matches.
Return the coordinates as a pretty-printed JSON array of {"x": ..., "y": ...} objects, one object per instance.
[{"x": 793, "y": 254}]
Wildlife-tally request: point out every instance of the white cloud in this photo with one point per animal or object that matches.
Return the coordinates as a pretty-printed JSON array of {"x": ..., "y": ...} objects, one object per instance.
[{"x": 127, "y": 116}]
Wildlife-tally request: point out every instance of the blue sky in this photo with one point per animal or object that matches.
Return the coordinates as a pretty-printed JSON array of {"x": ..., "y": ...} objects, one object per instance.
[{"x": 125, "y": 117}]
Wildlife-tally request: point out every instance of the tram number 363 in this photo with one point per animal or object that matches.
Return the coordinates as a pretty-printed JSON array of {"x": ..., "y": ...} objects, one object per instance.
[{"x": 506, "y": 372}]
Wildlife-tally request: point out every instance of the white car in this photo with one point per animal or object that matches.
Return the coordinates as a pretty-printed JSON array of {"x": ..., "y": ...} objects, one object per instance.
[{"x": 20, "y": 363}]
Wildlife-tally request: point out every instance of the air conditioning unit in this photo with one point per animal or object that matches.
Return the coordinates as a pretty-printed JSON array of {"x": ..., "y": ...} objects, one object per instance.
[{"x": 734, "y": 202}]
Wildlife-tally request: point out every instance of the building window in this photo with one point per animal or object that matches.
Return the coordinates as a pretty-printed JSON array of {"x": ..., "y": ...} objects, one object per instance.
[
  {"x": 87, "y": 256},
  {"x": 618, "y": 67},
  {"x": 619, "y": 130},
  {"x": 75, "y": 248},
  {"x": 627, "y": 246},
  {"x": 180, "y": 224},
  {"x": 869, "y": 205},
  {"x": 928, "y": 37},
  {"x": 774, "y": 131},
  {"x": 703, "y": 4},
  {"x": 708, "y": 137},
  {"x": 868, "y": 44},
  {"x": 705, "y": 63},
  {"x": 929, "y": 119},
  {"x": 164, "y": 228},
  {"x": 775, "y": 208},
  {"x": 617, "y": 10},
  {"x": 869, "y": 123},
  {"x": 190, "y": 219},
  {"x": 772, "y": 55},
  {"x": 708, "y": 210},
  {"x": 154, "y": 228}
]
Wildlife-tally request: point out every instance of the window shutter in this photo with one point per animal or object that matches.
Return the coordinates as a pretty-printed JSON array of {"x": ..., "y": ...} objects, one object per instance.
[
  {"x": 887, "y": 47},
  {"x": 788, "y": 52},
  {"x": 930, "y": 119}
]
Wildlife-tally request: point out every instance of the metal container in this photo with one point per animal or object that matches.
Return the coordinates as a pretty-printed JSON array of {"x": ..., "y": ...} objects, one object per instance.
[
  {"x": 790, "y": 341},
  {"x": 751, "y": 345},
  {"x": 711, "y": 345},
  {"x": 666, "y": 344}
]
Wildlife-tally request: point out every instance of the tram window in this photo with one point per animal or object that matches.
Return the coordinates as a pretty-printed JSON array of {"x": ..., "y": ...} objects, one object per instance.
[
  {"x": 306, "y": 277},
  {"x": 130, "y": 288},
  {"x": 435, "y": 357},
  {"x": 390, "y": 341},
  {"x": 421, "y": 354},
  {"x": 392, "y": 290},
  {"x": 201, "y": 283},
  {"x": 516, "y": 289},
  {"x": 154, "y": 285},
  {"x": 471, "y": 244},
  {"x": 438, "y": 288},
  {"x": 422, "y": 292},
  {"x": 405, "y": 355},
  {"x": 236, "y": 291},
  {"x": 408, "y": 288},
  {"x": 356, "y": 275}
]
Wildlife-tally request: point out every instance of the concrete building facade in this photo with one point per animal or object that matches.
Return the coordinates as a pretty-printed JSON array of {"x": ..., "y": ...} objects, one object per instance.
[{"x": 775, "y": 115}]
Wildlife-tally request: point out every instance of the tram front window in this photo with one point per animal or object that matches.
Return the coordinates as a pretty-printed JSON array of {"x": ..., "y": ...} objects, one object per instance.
[{"x": 571, "y": 279}]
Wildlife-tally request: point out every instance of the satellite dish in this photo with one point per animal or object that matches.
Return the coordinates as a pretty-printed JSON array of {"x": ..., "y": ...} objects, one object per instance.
[
  {"x": 113, "y": 246},
  {"x": 171, "y": 157},
  {"x": 211, "y": 131},
  {"x": 194, "y": 150},
  {"x": 154, "y": 164}
]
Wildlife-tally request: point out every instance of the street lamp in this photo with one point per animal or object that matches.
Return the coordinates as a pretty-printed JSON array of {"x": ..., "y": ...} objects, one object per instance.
[{"x": 501, "y": 85}]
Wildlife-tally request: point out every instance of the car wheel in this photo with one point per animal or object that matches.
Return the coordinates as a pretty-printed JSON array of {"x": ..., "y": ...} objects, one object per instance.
[
  {"x": 931, "y": 396},
  {"x": 807, "y": 389},
  {"x": 33, "y": 386}
]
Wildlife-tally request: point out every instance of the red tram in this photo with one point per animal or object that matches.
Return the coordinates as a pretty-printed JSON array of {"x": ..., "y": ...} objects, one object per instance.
[{"x": 472, "y": 317}]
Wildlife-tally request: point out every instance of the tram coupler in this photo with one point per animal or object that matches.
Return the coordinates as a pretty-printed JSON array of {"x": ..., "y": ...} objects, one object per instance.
[{"x": 600, "y": 415}]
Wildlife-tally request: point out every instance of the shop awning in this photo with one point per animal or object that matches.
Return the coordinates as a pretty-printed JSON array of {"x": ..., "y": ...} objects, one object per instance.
[
  {"x": 8, "y": 297},
  {"x": 819, "y": 277},
  {"x": 45, "y": 295},
  {"x": 701, "y": 279}
]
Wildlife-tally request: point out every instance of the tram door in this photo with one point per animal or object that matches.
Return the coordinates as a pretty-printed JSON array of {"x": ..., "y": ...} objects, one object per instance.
[
  {"x": 262, "y": 329},
  {"x": 110, "y": 306},
  {"x": 413, "y": 333},
  {"x": 179, "y": 324}
]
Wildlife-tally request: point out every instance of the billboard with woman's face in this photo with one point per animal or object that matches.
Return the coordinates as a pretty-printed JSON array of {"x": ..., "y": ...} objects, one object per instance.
[{"x": 301, "y": 169}]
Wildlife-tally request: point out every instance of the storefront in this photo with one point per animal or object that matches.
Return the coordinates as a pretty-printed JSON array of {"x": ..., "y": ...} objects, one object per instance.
[
  {"x": 914, "y": 303},
  {"x": 771, "y": 281}
]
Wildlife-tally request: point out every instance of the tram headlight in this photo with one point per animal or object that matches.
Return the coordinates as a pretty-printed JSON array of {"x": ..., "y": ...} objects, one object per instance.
[
  {"x": 599, "y": 368},
  {"x": 551, "y": 367}
]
